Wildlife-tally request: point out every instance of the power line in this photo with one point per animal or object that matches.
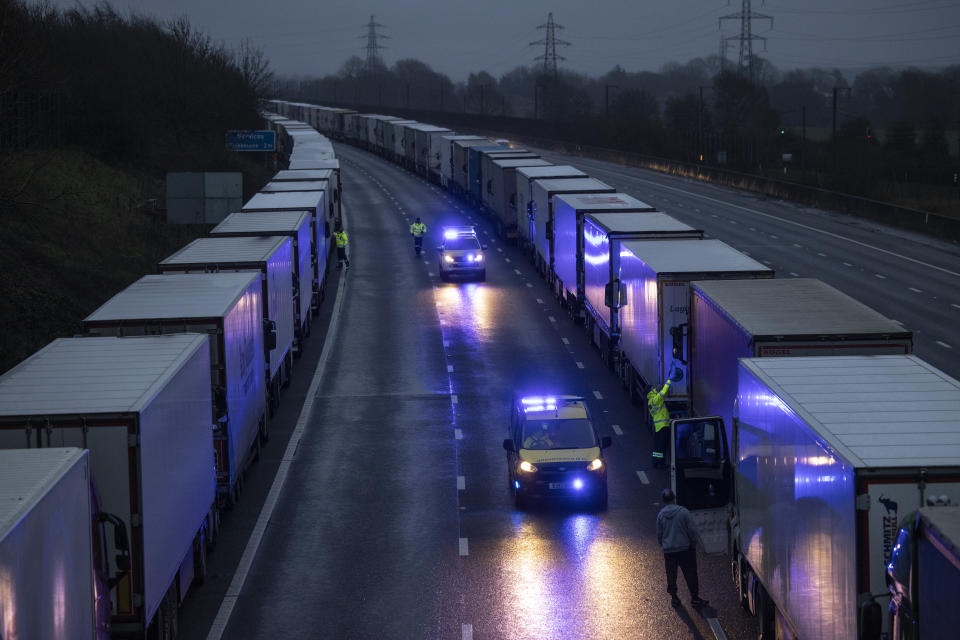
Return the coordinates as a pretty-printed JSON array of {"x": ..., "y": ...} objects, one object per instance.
[
  {"x": 746, "y": 16},
  {"x": 550, "y": 43},
  {"x": 373, "y": 47}
]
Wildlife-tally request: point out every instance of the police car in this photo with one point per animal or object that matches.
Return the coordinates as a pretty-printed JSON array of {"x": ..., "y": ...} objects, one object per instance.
[
  {"x": 461, "y": 253},
  {"x": 554, "y": 451}
]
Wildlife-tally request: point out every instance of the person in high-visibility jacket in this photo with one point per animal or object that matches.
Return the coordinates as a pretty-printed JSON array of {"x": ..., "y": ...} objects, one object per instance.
[
  {"x": 661, "y": 419},
  {"x": 418, "y": 230},
  {"x": 340, "y": 236}
]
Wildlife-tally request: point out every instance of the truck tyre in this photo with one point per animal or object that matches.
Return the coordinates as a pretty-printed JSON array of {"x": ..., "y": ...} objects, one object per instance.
[{"x": 200, "y": 556}]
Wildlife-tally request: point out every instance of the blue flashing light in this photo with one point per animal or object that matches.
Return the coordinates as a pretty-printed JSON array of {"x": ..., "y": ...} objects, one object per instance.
[
  {"x": 538, "y": 400},
  {"x": 450, "y": 234},
  {"x": 578, "y": 484},
  {"x": 516, "y": 484}
]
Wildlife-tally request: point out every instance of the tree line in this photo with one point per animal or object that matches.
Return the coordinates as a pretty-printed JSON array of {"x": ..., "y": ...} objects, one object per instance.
[{"x": 887, "y": 132}]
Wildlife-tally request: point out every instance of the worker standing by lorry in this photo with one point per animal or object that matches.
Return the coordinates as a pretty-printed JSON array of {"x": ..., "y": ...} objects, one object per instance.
[
  {"x": 661, "y": 418},
  {"x": 418, "y": 230},
  {"x": 341, "y": 238}
]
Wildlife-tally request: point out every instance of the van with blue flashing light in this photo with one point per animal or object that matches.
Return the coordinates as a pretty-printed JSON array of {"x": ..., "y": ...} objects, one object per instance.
[
  {"x": 555, "y": 452},
  {"x": 461, "y": 254}
]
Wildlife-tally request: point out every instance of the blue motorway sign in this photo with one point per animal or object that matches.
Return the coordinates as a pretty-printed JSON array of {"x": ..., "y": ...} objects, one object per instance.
[{"x": 238, "y": 140}]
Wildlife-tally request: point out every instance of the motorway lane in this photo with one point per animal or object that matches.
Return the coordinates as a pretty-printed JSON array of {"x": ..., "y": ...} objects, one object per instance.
[
  {"x": 396, "y": 521},
  {"x": 909, "y": 277}
]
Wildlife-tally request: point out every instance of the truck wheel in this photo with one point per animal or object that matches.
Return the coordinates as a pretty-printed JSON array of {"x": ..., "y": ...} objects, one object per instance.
[
  {"x": 200, "y": 557},
  {"x": 262, "y": 431}
]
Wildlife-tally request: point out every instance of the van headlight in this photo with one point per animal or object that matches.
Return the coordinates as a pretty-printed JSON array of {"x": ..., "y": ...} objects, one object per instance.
[
  {"x": 526, "y": 467},
  {"x": 596, "y": 465},
  {"x": 447, "y": 258}
]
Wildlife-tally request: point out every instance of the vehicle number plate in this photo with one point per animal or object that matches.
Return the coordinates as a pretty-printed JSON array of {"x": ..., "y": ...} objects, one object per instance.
[{"x": 556, "y": 485}]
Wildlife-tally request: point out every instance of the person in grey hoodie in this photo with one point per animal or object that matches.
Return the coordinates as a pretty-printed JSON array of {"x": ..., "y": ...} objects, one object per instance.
[{"x": 677, "y": 534}]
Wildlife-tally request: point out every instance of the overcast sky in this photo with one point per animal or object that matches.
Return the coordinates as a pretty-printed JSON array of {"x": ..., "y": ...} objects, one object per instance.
[{"x": 315, "y": 37}]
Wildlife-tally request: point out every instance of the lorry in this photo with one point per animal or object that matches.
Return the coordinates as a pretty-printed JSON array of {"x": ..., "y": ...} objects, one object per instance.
[
  {"x": 437, "y": 142},
  {"x": 652, "y": 291},
  {"x": 924, "y": 574},
  {"x": 732, "y": 319},
  {"x": 827, "y": 456},
  {"x": 142, "y": 407},
  {"x": 541, "y": 213},
  {"x": 272, "y": 256},
  {"x": 329, "y": 164},
  {"x": 500, "y": 191},
  {"x": 54, "y": 583},
  {"x": 569, "y": 211},
  {"x": 603, "y": 235},
  {"x": 525, "y": 176},
  {"x": 226, "y": 307},
  {"x": 393, "y": 142},
  {"x": 321, "y": 221},
  {"x": 479, "y": 164},
  {"x": 296, "y": 226},
  {"x": 446, "y": 156},
  {"x": 460, "y": 158}
]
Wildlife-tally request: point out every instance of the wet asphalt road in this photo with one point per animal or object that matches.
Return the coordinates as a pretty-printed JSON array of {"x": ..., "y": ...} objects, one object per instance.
[{"x": 396, "y": 520}]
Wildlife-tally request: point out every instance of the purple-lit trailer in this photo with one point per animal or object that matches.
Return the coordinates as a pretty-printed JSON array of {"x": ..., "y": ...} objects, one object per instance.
[
  {"x": 272, "y": 256},
  {"x": 320, "y": 223},
  {"x": 500, "y": 191},
  {"x": 568, "y": 214},
  {"x": 652, "y": 289},
  {"x": 525, "y": 176},
  {"x": 731, "y": 319},
  {"x": 828, "y": 455},
  {"x": 603, "y": 235},
  {"x": 542, "y": 215},
  {"x": 141, "y": 405},
  {"x": 228, "y": 308},
  {"x": 296, "y": 226}
]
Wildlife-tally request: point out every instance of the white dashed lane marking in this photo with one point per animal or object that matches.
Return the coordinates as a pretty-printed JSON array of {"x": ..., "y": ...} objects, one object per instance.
[
  {"x": 565, "y": 341},
  {"x": 454, "y": 399},
  {"x": 944, "y": 345},
  {"x": 516, "y": 271},
  {"x": 466, "y": 632},
  {"x": 847, "y": 264},
  {"x": 539, "y": 301},
  {"x": 616, "y": 429},
  {"x": 464, "y": 547},
  {"x": 955, "y": 306},
  {"x": 449, "y": 368},
  {"x": 598, "y": 395},
  {"x": 880, "y": 275},
  {"x": 643, "y": 477},
  {"x": 552, "y": 319},
  {"x": 461, "y": 483},
  {"x": 530, "y": 285},
  {"x": 794, "y": 274},
  {"x": 915, "y": 290},
  {"x": 458, "y": 434},
  {"x": 579, "y": 365},
  {"x": 507, "y": 259}
]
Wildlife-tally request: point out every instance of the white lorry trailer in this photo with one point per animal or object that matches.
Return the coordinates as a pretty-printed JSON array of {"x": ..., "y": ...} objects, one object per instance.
[
  {"x": 51, "y": 552},
  {"x": 525, "y": 176},
  {"x": 500, "y": 192},
  {"x": 226, "y": 307},
  {"x": 653, "y": 287},
  {"x": 321, "y": 221},
  {"x": 272, "y": 256},
  {"x": 603, "y": 235},
  {"x": 569, "y": 211},
  {"x": 543, "y": 215},
  {"x": 828, "y": 455},
  {"x": 141, "y": 405},
  {"x": 461, "y": 159},
  {"x": 447, "y": 155},
  {"x": 296, "y": 226},
  {"x": 732, "y": 319}
]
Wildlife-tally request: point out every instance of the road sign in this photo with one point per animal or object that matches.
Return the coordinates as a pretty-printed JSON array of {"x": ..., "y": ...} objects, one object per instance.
[{"x": 238, "y": 140}]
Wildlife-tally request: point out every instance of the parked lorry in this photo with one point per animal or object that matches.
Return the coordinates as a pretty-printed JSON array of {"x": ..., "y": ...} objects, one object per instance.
[
  {"x": 569, "y": 211},
  {"x": 924, "y": 574},
  {"x": 226, "y": 307},
  {"x": 500, "y": 191},
  {"x": 479, "y": 161},
  {"x": 320, "y": 230},
  {"x": 54, "y": 582},
  {"x": 393, "y": 142},
  {"x": 436, "y": 142},
  {"x": 603, "y": 237},
  {"x": 827, "y": 456},
  {"x": 142, "y": 406},
  {"x": 273, "y": 258},
  {"x": 334, "y": 205},
  {"x": 296, "y": 226},
  {"x": 525, "y": 176},
  {"x": 652, "y": 291},
  {"x": 461, "y": 160},
  {"x": 447, "y": 155},
  {"x": 543, "y": 215},
  {"x": 732, "y": 319}
]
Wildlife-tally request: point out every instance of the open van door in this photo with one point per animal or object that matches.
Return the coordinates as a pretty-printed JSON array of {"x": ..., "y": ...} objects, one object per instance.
[{"x": 700, "y": 476}]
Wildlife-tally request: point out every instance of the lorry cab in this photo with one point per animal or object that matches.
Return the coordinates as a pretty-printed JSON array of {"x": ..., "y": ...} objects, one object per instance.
[{"x": 700, "y": 476}]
